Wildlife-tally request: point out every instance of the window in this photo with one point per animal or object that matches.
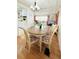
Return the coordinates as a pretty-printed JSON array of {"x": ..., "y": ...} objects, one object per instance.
[{"x": 41, "y": 18}]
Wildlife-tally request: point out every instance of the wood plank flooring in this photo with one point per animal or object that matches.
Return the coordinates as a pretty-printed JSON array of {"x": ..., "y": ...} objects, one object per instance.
[
  {"x": 35, "y": 52},
  {"x": 55, "y": 52}
]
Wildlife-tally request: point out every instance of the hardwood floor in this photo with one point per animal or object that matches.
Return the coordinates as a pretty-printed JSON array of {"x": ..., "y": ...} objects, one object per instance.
[
  {"x": 35, "y": 52},
  {"x": 55, "y": 52}
]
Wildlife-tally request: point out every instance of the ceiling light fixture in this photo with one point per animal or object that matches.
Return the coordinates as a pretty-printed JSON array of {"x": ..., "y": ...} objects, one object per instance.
[{"x": 35, "y": 7}]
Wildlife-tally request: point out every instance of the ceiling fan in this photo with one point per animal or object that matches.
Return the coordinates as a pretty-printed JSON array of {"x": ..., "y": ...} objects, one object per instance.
[{"x": 35, "y": 7}]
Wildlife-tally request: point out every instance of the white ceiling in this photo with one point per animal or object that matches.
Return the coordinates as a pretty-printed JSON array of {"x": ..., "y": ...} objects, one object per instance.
[{"x": 46, "y": 6}]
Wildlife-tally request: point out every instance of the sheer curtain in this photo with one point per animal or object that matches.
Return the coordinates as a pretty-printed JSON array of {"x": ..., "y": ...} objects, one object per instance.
[{"x": 42, "y": 18}]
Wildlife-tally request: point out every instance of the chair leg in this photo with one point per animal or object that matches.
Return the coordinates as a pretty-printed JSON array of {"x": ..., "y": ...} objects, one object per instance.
[
  {"x": 40, "y": 46},
  {"x": 40, "y": 43},
  {"x": 29, "y": 47},
  {"x": 49, "y": 48}
]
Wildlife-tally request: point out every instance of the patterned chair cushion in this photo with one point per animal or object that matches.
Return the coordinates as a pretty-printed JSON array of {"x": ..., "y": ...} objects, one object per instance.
[
  {"x": 46, "y": 38},
  {"x": 33, "y": 38}
]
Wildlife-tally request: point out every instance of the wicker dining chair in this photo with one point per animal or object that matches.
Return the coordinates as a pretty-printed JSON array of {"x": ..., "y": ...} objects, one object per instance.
[
  {"x": 47, "y": 39},
  {"x": 31, "y": 39}
]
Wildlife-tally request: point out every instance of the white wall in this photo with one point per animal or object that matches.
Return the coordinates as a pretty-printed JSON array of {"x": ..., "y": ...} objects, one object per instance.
[
  {"x": 29, "y": 22},
  {"x": 59, "y": 34}
]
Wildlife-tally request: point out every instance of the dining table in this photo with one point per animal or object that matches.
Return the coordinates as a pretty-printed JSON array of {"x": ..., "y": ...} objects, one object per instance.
[{"x": 36, "y": 31}]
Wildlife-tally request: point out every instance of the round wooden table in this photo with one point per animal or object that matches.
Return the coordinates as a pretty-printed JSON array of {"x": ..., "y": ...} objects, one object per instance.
[{"x": 38, "y": 33}]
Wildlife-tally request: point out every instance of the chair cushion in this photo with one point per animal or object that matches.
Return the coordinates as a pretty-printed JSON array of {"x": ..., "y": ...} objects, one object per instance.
[
  {"x": 46, "y": 38},
  {"x": 33, "y": 38}
]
